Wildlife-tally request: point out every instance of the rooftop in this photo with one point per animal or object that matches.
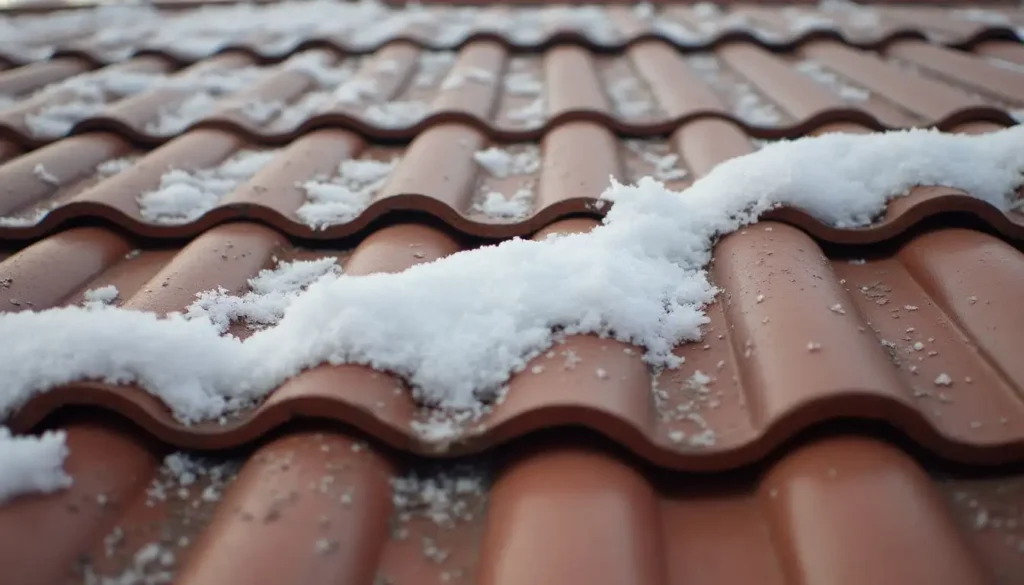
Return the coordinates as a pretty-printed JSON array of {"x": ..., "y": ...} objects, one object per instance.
[{"x": 257, "y": 317}]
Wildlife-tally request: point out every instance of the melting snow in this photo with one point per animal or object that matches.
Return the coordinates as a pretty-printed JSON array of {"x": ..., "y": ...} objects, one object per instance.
[
  {"x": 640, "y": 278},
  {"x": 342, "y": 198},
  {"x": 184, "y": 196}
]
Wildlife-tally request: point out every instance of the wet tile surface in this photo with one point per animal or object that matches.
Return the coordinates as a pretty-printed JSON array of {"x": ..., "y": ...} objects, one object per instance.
[{"x": 165, "y": 169}]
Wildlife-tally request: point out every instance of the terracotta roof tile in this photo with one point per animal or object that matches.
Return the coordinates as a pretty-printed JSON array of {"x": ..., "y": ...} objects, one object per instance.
[
  {"x": 317, "y": 506},
  {"x": 912, "y": 322}
]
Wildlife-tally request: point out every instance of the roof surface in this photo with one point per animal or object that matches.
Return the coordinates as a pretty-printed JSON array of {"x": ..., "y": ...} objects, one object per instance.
[{"x": 893, "y": 456}]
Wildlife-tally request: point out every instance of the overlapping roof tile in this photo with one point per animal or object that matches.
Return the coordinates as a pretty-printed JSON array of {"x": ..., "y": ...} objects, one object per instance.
[
  {"x": 322, "y": 506},
  {"x": 173, "y": 150}
]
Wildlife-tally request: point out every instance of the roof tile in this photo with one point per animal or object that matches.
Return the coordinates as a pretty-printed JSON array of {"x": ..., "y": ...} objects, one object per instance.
[{"x": 473, "y": 125}]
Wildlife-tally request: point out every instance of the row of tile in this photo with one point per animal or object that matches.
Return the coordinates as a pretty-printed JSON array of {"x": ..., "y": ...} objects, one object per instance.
[
  {"x": 330, "y": 184},
  {"x": 919, "y": 333},
  {"x": 322, "y": 507},
  {"x": 108, "y": 34},
  {"x": 400, "y": 91}
]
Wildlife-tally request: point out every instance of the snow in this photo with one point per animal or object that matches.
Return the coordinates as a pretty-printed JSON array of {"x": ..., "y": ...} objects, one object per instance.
[
  {"x": 639, "y": 278},
  {"x": 532, "y": 114},
  {"x": 517, "y": 206},
  {"x": 270, "y": 293},
  {"x": 32, "y": 465},
  {"x": 104, "y": 295},
  {"x": 501, "y": 163},
  {"x": 83, "y": 96},
  {"x": 476, "y": 74},
  {"x": 184, "y": 196},
  {"x": 741, "y": 95},
  {"x": 109, "y": 168},
  {"x": 203, "y": 88},
  {"x": 824, "y": 76},
  {"x": 40, "y": 172},
  {"x": 399, "y": 114},
  {"x": 342, "y": 198}
]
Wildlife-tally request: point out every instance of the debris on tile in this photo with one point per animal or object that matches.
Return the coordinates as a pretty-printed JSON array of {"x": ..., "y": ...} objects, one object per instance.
[
  {"x": 943, "y": 379},
  {"x": 184, "y": 196},
  {"x": 813, "y": 346},
  {"x": 341, "y": 198}
]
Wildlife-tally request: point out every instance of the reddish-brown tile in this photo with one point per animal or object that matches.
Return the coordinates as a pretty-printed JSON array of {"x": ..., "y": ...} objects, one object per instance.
[
  {"x": 317, "y": 506},
  {"x": 403, "y": 86}
]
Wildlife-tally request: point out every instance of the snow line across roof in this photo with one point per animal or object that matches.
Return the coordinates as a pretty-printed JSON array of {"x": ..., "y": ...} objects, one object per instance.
[
  {"x": 400, "y": 91},
  {"x": 112, "y": 33},
  {"x": 508, "y": 311}
]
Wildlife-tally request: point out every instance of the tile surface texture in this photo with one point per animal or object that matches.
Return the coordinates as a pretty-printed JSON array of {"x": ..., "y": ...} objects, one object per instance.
[{"x": 854, "y": 413}]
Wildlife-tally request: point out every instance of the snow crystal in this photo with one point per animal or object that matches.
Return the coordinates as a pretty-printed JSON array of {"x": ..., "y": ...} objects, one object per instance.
[
  {"x": 32, "y": 464},
  {"x": 40, "y": 172},
  {"x": 457, "y": 78},
  {"x": 29, "y": 220},
  {"x": 523, "y": 83},
  {"x": 114, "y": 166},
  {"x": 184, "y": 196},
  {"x": 397, "y": 114},
  {"x": 84, "y": 95},
  {"x": 431, "y": 65},
  {"x": 639, "y": 278},
  {"x": 355, "y": 90},
  {"x": 342, "y": 198},
  {"x": 203, "y": 88},
  {"x": 532, "y": 114},
  {"x": 445, "y": 497},
  {"x": 270, "y": 293},
  {"x": 501, "y": 163},
  {"x": 496, "y": 205},
  {"x": 825, "y": 77},
  {"x": 664, "y": 162},
  {"x": 104, "y": 295}
]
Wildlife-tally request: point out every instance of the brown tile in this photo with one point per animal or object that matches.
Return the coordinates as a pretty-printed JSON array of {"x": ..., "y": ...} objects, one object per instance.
[
  {"x": 906, "y": 334},
  {"x": 753, "y": 71},
  {"x": 318, "y": 505}
]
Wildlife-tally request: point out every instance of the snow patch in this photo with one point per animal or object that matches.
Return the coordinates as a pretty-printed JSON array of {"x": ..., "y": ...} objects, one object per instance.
[
  {"x": 32, "y": 465},
  {"x": 340, "y": 199},
  {"x": 639, "y": 278},
  {"x": 184, "y": 196},
  {"x": 104, "y": 295}
]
